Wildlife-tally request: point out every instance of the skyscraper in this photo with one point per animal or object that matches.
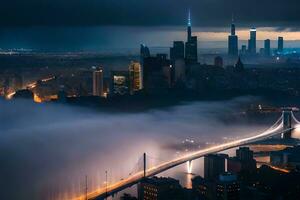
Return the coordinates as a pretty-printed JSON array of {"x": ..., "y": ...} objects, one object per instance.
[
  {"x": 189, "y": 28},
  {"x": 214, "y": 165},
  {"x": 252, "y": 41},
  {"x": 233, "y": 41},
  {"x": 191, "y": 49},
  {"x": 135, "y": 76},
  {"x": 267, "y": 47},
  {"x": 228, "y": 188},
  {"x": 177, "y": 51},
  {"x": 98, "y": 82},
  {"x": 280, "y": 44},
  {"x": 144, "y": 53}
]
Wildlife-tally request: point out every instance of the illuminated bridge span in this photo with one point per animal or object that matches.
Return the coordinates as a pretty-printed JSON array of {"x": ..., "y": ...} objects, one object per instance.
[{"x": 283, "y": 127}]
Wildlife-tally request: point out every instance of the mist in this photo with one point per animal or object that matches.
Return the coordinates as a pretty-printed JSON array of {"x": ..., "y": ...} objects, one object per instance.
[{"x": 46, "y": 150}]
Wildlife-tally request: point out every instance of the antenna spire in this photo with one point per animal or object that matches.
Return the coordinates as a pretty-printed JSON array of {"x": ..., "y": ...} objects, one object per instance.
[{"x": 189, "y": 18}]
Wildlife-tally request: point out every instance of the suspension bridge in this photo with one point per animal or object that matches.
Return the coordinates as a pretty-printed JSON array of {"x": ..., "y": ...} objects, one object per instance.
[{"x": 283, "y": 127}]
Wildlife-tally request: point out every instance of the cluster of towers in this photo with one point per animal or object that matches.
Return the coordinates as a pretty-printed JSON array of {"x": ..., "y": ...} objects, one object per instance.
[
  {"x": 233, "y": 49},
  {"x": 185, "y": 51}
]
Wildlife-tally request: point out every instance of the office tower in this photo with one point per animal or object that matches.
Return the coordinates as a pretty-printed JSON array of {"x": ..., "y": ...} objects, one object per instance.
[
  {"x": 189, "y": 28},
  {"x": 144, "y": 52},
  {"x": 245, "y": 155},
  {"x": 155, "y": 78},
  {"x": 159, "y": 189},
  {"x": 120, "y": 82},
  {"x": 214, "y": 165},
  {"x": 227, "y": 187},
  {"x": 191, "y": 49},
  {"x": 135, "y": 72},
  {"x": 177, "y": 51},
  {"x": 267, "y": 47},
  {"x": 280, "y": 44},
  {"x": 233, "y": 41},
  {"x": 218, "y": 61},
  {"x": 98, "y": 82},
  {"x": 252, "y": 41}
]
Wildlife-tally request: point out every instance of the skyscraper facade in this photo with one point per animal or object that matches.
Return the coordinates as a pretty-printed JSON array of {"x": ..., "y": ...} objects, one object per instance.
[
  {"x": 191, "y": 48},
  {"x": 189, "y": 27},
  {"x": 267, "y": 47},
  {"x": 214, "y": 165},
  {"x": 135, "y": 76},
  {"x": 177, "y": 51},
  {"x": 280, "y": 44},
  {"x": 233, "y": 41},
  {"x": 98, "y": 82},
  {"x": 252, "y": 41}
]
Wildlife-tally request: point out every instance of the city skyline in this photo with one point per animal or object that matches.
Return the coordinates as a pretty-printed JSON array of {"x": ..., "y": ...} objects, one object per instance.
[{"x": 150, "y": 100}]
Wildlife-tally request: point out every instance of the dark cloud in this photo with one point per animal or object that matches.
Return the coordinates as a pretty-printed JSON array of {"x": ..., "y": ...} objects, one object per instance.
[{"x": 147, "y": 12}]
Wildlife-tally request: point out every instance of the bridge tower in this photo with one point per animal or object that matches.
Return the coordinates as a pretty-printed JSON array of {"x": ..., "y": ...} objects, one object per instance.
[
  {"x": 144, "y": 164},
  {"x": 287, "y": 123}
]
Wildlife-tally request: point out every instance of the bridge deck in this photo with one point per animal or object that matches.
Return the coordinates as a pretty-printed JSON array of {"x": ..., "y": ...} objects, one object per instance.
[{"x": 102, "y": 193}]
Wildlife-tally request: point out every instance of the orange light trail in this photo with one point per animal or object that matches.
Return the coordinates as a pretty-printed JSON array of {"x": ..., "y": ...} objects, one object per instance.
[{"x": 274, "y": 130}]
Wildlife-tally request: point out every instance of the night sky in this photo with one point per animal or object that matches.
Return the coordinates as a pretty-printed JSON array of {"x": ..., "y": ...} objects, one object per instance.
[{"x": 280, "y": 13}]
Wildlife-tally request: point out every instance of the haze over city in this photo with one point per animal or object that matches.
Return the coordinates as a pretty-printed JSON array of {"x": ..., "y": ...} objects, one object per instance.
[{"x": 150, "y": 100}]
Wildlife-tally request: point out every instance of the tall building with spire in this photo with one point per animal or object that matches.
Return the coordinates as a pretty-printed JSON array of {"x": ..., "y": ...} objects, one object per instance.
[
  {"x": 189, "y": 28},
  {"x": 252, "y": 41},
  {"x": 233, "y": 41},
  {"x": 191, "y": 48}
]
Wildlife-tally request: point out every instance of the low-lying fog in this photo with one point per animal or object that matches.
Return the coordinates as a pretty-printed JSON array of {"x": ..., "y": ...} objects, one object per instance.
[{"x": 46, "y": 150}]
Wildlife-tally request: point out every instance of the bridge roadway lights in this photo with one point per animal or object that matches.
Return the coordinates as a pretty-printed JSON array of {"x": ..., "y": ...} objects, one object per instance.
[{"x": 287, "y": 123}]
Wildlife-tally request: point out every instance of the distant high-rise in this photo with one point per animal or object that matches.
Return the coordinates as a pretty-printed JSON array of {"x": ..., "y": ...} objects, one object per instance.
[
  {"x": 233, "y": 41},
  {"x": 120, "y": 83},
  {"x": 177, "y": 51},
  {"x": 191, "y": 48},
  {"x": 189, "y": 28},
  {"x": 98, "y": 82},
  {"x": 267, "y": 47},
  {"x": 244, "y": 154},
  {"x": 135, "y": 76},
  {"x": 280, "y": 44},
  {"x": 214, "y": 165},
  {"x": 145, "y": 52},
  {"x": 252, "y": 41}
]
